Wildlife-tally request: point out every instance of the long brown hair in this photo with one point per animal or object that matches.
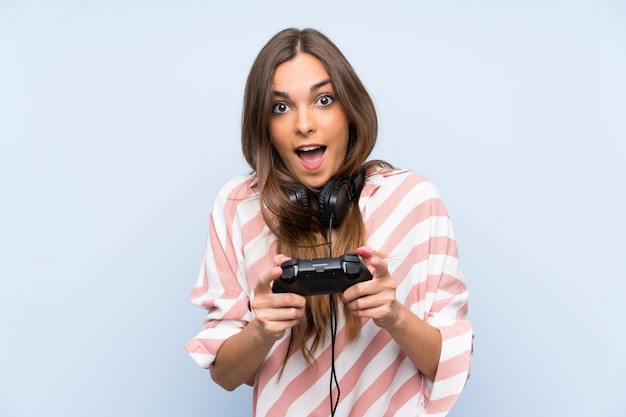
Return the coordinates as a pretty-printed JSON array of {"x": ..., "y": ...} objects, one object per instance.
[{"x": 298, "y": 230}]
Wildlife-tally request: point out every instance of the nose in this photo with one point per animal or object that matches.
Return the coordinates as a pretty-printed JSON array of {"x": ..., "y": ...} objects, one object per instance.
[{"x": 305, "y": 122}]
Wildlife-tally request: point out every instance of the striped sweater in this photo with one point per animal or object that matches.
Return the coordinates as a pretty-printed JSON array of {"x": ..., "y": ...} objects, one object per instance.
[{"x": 406, "y": 220}]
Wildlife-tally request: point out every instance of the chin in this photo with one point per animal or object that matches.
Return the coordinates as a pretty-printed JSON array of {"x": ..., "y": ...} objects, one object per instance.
[{"x": 315, "y": 183}]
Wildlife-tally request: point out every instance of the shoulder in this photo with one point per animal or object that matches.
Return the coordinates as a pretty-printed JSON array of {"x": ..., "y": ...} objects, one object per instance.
[
  {"x": 236, "y": 197},
  {"x": 388, "y": 181},
  {"x": 241, "y": 187}
]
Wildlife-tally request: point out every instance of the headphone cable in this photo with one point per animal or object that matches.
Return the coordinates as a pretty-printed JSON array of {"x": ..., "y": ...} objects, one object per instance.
[
  {"x": 333, "y": 371},
  {"x": 333, "y": 334}
]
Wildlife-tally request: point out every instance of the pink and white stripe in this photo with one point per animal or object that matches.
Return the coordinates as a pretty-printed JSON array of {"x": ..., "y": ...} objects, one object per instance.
[{"x": 408, "y": 223}]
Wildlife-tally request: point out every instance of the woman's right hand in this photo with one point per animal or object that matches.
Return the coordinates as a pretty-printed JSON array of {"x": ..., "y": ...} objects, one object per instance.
[
  {"x": 243, "y": 353},
  {"x": 275, "y": 313}
]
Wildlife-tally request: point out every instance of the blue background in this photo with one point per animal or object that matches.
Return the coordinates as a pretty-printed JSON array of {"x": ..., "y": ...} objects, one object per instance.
[{"x": 120, "y": 119}]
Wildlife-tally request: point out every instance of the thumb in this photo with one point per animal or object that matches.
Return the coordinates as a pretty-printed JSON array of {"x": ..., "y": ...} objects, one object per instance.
[
  {"x": 264, "y": 284},
  {"x": 265, "y": 280}
]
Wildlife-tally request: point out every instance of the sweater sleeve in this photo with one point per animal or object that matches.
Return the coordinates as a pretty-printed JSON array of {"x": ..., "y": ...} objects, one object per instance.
[
  {"x": 221, "y": 287},
  {"x": 447, "y": 313},
  {"x": 409, "y": 223}
]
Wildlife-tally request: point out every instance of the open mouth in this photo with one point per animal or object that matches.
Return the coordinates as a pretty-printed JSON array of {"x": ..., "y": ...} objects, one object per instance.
[{"x": 311, "y": 155}]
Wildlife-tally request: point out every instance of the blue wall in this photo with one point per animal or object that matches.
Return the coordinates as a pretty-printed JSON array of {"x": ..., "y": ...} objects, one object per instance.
[{"x": 119, "y": 120}]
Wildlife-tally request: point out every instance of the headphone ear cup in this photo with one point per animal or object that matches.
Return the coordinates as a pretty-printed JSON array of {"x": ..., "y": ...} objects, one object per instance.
[
  {"x": 334, "y": 201},
  {"x": 299, "y": 196}
]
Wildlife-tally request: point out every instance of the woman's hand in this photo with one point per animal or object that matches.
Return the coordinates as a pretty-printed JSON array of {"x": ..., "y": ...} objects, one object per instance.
[
  {"x": 374, "y": 299},
  {"x": 275, "y": 313},
  {"x": 242, "y": 354}
]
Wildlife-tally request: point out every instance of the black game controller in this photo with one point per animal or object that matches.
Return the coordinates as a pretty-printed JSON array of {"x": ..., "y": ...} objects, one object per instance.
[{"x": 322, "y": 275}]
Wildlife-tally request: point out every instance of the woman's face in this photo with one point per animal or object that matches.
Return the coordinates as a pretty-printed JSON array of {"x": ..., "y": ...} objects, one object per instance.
[{"x": 308, "y": 126}]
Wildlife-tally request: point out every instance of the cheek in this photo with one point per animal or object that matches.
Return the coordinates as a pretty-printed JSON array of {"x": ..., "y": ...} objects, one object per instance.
[
  {"x": 272, "y": 131},
  {"x": 280, "y": 147},
  {"x": 279, "y": 128},
  {"x": 343, "y": 133},
  {"x": 276, "y": 136},
  {"x": 341, "y": 123}
]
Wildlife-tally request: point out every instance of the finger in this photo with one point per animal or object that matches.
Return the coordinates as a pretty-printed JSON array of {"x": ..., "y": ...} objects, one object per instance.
[
  {"x": 380, "y": 267},
  {"x": 380, "y": 288},
  {"x": 377, "y": 265},
  {"x": 290, "y": 300},
  {"x": 264, "y": 283},
  {"x": 280, "y": 314},
  {"x": 275, "y": 302},
  {"x": 365, "y": 253},
  {"x": 280, "y": 258},
  {"x": 356, "y": 291}
]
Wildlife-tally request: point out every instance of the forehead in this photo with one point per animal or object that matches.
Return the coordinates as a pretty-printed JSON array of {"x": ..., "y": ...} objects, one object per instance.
[{"x": 302, "y": 70}]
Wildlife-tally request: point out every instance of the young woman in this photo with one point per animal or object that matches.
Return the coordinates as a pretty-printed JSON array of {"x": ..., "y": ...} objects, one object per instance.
[{"x": 400, "y": 345}]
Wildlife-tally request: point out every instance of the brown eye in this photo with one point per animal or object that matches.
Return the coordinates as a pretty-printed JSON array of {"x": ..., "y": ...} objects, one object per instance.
[
  {"x": 280, "y": 108},
  {"x": 325, "y": 101}
]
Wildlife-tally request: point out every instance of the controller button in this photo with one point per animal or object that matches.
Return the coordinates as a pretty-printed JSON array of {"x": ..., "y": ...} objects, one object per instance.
[
  {"x": 352, "y": 269},
  {"x": 289, "y": 263},
  {"x": 289, "y": 274}
]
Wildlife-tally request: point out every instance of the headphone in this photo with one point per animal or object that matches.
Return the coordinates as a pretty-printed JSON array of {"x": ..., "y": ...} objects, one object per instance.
[{"x": 335, "y": 197}]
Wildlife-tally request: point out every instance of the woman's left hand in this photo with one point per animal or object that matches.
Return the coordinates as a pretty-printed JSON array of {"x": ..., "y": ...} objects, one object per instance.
[{"x": 374, "y": 299}]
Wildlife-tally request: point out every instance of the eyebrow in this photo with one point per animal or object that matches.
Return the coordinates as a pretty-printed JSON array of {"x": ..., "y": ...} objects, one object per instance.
[{"x": 314, "y": 87}]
